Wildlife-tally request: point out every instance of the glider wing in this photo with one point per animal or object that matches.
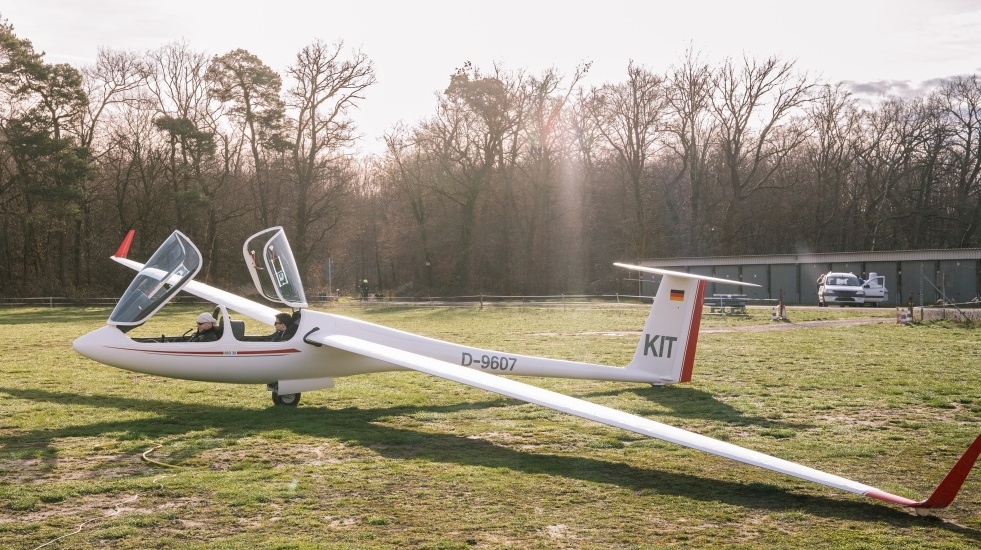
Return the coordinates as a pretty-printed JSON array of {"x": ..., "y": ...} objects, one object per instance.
[{"x": 612, "y": 417}]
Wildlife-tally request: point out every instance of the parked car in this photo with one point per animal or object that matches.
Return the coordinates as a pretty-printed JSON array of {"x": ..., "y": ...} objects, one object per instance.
[{"x": 843, "y": 289}]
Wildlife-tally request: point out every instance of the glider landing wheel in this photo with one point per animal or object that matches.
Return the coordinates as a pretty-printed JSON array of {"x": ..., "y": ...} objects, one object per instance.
[{"x": 286, "y": 399}]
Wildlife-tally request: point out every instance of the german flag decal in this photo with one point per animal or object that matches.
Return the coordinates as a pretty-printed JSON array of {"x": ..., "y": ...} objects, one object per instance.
[{"x": 677, "y": 295}]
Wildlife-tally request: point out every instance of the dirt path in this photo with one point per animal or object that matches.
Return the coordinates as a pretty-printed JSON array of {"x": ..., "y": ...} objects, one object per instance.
[
  {"x": 772, "y": 325},
  {"x": 783, "y": 325}
]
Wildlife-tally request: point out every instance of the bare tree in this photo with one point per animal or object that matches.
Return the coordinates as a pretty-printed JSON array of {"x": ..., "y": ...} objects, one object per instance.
[
  {"x": 885, "y": 154},
  {"x": 830, "y": 160},
  {"x": 113, "y": 83},
  {"x": 411, "y": 176},
  {"x": 203, "y": 160},
  {"x": 757, "y": 107},
  {"x": 181, "y": 100},
  {"x": 960, "y": 98},
  {"x": 631, "y": 117},
  {"x": 326, "y": 87},
  {"x": 241, "y": 80},
  {"x": 545, "y": 144},
  {"x": 690, "y": 98}
]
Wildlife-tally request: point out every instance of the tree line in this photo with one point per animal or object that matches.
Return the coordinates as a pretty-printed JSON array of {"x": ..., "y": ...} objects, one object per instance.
[{"x": 516, "y": 183}]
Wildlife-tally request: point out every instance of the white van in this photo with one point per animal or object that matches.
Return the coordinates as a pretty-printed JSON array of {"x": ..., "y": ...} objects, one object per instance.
[{"x": 843, "y": 289}]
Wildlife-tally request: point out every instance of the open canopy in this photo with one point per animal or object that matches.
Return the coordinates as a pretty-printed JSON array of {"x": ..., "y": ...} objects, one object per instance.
[
  {"x": 170, "y": 268},
  {"x": 273, "y": 268}
]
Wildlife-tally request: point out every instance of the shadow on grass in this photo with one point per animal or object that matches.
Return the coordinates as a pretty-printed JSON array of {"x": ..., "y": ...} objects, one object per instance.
[
  {"x": 54, "y": 316},
  {"x": 361, "y": 427},
  {"x": 689, "y": 403}
]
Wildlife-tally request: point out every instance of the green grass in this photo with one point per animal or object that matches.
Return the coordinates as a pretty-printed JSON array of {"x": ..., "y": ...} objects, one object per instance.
[{"x": 401, "y": 460}]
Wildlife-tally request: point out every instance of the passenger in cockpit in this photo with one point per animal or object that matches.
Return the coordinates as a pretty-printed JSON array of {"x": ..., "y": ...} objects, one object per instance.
[
  {"x": 286, "y": 326},
  {"x": 282, "y": 323},
  {"x": 206, "y": 329}
]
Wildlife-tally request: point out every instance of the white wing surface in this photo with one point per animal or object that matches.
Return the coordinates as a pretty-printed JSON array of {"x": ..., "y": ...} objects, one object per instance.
[{"x": 613, "y": 417}]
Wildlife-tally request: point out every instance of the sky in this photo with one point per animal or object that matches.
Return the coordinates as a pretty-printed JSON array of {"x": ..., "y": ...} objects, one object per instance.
[{"x": 876, "y": 46}]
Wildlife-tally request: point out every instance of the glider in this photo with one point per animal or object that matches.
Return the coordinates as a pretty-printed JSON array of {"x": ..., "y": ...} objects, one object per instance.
[{"x": 321, "y": 347}]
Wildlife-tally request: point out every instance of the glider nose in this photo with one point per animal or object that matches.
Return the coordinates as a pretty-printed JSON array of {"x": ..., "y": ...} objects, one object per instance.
[
  {"x": 84, "y": 344},
  {"x": 90, "y": 345}
]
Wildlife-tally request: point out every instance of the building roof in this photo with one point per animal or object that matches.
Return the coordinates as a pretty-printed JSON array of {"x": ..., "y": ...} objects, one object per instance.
[{"x": 821, "y": 257}]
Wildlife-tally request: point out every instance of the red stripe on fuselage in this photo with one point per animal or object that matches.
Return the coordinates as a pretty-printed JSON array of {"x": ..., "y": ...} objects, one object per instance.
[
  {"x": 696, "y": 320},
  {"x": 218, "y": 353}
]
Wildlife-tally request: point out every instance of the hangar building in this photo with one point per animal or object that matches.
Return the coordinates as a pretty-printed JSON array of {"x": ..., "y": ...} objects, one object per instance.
[{"x": 915, "y": 275}]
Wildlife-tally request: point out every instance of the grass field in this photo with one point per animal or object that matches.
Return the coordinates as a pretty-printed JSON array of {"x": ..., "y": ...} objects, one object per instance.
[{"x": 401, "y": 460}]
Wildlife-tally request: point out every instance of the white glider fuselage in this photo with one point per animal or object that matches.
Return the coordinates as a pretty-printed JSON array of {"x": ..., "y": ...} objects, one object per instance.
[{"x": 260, "y": 362}]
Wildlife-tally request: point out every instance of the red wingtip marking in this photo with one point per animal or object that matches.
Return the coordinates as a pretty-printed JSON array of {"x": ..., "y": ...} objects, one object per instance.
[
  {"x": 696, "y": 321},
  {"x": 944, "y": 494},
  {"x": 123, "y": 249}
]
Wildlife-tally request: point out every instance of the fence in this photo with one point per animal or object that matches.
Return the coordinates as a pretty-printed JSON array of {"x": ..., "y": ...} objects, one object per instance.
[
  {"x": 65, "y": 301},
  {"x": 329, "y": 301},
  {"x": 332, "y": 301}
]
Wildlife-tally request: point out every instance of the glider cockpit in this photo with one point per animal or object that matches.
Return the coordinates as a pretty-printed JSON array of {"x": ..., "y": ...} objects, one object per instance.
[{"x": 175, "y": 264}]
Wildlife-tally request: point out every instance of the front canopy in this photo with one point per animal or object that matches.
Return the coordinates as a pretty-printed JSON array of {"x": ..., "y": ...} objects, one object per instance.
[
  {"x": 273, "y": 269},
  {"x": 171, "y": 267}
]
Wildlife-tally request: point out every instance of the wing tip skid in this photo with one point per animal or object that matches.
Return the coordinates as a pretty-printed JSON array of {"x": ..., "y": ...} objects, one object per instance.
[
  {"x": 123, "y": 249},
  {"x": 948, "y": 488}
]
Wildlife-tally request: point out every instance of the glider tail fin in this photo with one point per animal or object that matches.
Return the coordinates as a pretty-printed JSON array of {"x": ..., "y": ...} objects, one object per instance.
[
  {"x": 666, "y": 348},
  {"x": 123, "y": 249}
]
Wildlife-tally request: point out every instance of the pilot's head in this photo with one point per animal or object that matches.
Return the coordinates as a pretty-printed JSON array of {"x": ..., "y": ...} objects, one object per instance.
[
  {"x": 205, "y": 321},
  {"x": 282, "y": 321}
]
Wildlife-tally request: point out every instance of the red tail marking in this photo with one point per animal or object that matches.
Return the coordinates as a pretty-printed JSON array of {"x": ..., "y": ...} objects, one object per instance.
[
  {"x": 696, "y": 321},
  {"x": 123, "y": 249}
]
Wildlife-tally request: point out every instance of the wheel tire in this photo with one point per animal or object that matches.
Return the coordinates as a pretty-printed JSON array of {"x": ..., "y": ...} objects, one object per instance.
[{"x": 286, "y": 399}]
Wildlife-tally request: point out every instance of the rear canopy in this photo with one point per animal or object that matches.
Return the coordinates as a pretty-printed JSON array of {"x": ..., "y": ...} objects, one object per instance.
[{"x": 273, "y": 268}]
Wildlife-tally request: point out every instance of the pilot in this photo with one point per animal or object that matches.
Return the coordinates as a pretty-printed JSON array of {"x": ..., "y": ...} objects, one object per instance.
[
  {"x": 282, "y": 324},
  {"x": 206, "y": 329}
]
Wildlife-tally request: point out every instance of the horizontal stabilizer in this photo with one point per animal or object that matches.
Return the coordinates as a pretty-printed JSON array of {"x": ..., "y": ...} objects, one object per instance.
[{"x": 659, "y": 271}]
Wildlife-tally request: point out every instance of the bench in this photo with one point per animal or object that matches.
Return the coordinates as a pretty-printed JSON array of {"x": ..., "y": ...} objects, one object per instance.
[{"x": 720, "y": 303}]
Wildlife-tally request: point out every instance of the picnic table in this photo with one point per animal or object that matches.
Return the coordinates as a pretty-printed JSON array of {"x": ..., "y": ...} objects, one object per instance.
[{"x": 735, "y": 304}]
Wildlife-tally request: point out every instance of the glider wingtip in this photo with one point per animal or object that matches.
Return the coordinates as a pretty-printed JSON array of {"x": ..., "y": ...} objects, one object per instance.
[
  {"x": 945, "y": 493},
  {"x": 123, "y": 249}
]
